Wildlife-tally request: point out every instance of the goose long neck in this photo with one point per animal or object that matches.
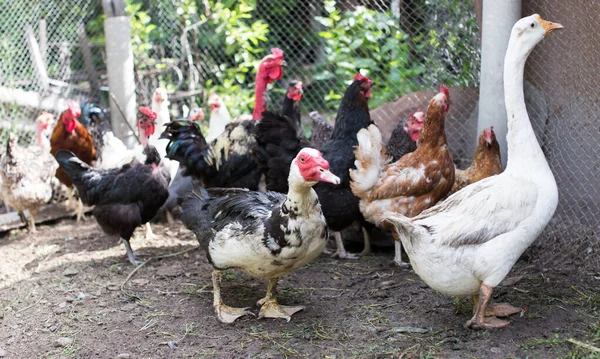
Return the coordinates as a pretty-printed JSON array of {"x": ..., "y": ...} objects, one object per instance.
[{"x": 523, "y": 148}]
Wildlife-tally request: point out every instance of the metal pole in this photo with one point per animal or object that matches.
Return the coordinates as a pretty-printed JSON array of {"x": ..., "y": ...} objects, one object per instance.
[
  {"x": 498, "y": 19},
  {"x": 119, "y": 64}
]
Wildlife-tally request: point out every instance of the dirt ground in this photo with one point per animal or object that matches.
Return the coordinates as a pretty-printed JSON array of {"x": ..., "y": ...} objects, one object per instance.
[{"x": 62, "y": 296}]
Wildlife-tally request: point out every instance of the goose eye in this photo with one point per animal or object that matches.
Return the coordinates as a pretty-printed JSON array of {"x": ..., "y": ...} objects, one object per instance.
[{"x": 532, "y": 25}]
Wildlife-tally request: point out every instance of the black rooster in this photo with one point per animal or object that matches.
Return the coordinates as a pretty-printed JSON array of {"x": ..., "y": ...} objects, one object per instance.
[
  {"x": 278, "y": 144},
  {"x": 125, "y": 197}
]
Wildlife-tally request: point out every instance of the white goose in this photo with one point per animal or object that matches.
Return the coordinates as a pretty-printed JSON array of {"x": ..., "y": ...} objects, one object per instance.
[{"x": 467, "y": 244}]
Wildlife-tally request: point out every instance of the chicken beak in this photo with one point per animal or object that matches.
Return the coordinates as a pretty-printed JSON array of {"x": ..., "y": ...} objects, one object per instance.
[
  {"x": 327, "y": 176},
  {"x": 283, "y": 63},
  {"x": 549, "y": 27}
]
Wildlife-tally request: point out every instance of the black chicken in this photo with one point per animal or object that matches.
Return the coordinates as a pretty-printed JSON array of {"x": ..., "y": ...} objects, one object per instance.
[
  {"x": 405, "y": 136},
  {"x": 321, "y": 129},
  {"x": 125, "y": 197},
  {"x": 290, "y": 105},
  {"x": 278, "y": 144}
]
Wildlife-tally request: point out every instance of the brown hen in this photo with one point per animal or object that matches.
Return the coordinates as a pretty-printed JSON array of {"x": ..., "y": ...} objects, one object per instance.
[
  {"x": 486, "y": 162},
  {"x": 412, "y": 184}
]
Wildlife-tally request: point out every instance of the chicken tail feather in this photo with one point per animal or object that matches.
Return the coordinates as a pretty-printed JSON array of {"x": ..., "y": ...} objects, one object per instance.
[{"x": 371, "y": 158}]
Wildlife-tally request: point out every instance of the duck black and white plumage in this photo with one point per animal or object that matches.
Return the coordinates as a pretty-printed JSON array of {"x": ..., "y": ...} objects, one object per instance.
[{"x": 266, "y": 235}]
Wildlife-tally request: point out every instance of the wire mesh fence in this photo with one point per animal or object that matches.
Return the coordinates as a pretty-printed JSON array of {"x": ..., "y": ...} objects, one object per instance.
[{"x": 195, "y": 47}]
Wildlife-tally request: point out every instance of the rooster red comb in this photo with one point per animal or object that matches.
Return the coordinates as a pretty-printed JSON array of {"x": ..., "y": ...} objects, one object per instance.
[
  {"x": 277, "y": 53},
  {"x": 444, "y": 90},
  {"x": 299, "y": 85},
  {"x": 361, "y": 77},
  {"x": 146, "y": 111}
]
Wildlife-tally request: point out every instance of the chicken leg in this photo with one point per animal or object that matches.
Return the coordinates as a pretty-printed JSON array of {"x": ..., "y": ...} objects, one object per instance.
[
  {"x": 367, "y": 240},
  {"x": 29, "y": 222},
  {"x": 340, "y": 250},
  {"x": 149, "y": 232},
  {"x": 79, "y": 211},
  {"x": 70, "y": 203},
  {"x": 479, "y": 320},
  {"x": 32, "y": 228},
  {"x": 170, "y": 220},
  {"x": 269, "y": 306},
  {"x": 225, "y": 314},
  {"x": 398, "y": 251},
  {"x": 130, "y": 254}
]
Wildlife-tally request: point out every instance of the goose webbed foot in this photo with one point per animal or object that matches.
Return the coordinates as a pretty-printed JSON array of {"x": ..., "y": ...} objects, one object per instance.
[
  {"x": 272, "y": 309},
  {"x": 227, "y": 314},
  {"x": 481, "y": 309}
]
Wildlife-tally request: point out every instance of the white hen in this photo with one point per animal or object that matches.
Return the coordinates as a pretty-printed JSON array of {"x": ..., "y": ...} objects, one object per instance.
[
  {"x": 467, "y": 244},
  {"x": 160, "y": 105},
  {"x": 219, "y": 117}
]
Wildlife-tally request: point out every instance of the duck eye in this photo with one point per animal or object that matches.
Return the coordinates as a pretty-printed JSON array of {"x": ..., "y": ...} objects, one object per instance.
[{"x": 532, "y": 25}]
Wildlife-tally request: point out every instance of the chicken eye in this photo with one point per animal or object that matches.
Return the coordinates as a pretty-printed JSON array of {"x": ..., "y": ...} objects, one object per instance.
[
  {"x": 302, "y": 159},
  {"x": 532, "y": 25},
  {"x": 321, "y": 170}
]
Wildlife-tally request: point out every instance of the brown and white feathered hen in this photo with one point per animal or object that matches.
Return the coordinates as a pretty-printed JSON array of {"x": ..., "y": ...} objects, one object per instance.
[
  {"x": 26, "y": 175},
  {"x": 416, "y": 181}
]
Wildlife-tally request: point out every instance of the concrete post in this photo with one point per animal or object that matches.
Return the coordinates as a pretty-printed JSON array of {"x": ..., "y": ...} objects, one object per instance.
[
  {"x": 119, "y": 64},
  {"x": 498, "y": 20}
]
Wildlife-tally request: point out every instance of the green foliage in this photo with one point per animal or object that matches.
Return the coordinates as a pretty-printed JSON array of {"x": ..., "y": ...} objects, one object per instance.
[
  {"x": 231, "y": 27},
  {"x": 367, "y": 40},
  {"x": 398, "y": 63},
  {"x": 448, "y": 43}
]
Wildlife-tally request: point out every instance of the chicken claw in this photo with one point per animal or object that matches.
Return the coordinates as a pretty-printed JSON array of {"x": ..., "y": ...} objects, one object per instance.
[
  {"x": 398, "y": 256},
  {"x": 79, "y": 211},
  {"x": 341, "y": 252},
  {"x": 130, "y": 254},
  {"x": 149, "y": 232}
]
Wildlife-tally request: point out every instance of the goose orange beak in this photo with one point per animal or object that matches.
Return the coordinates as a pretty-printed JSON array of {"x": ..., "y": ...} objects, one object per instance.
[{"x": 549, "y": 26}]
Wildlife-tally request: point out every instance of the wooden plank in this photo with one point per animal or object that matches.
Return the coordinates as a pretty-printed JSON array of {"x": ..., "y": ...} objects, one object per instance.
[
  {"x": 89, "y": 63},
  {"x": 36, "y": 57},
  {"x": 43, "y": 39},
  {"x": 33, "y": 99},
  {"x": 50, "y": 212}
]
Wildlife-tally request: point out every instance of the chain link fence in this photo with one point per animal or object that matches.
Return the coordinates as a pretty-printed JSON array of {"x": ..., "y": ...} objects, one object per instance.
[{"x": 408, "y": 47}]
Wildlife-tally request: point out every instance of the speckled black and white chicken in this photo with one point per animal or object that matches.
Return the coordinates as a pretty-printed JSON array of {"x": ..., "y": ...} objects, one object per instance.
[
  {"x": 26, "y": 176},
  {"x": 266, "y": 235}
]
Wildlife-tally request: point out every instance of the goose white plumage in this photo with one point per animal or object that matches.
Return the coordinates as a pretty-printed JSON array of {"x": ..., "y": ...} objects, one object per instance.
[{"x": 467, "y": 244}]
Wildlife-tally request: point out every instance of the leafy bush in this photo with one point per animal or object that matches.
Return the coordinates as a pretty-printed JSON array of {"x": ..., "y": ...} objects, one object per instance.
[
  {"x": 231, "y": 72},
  {"x": 374, "y": 42},
  {"x": 367, "y": 40}
]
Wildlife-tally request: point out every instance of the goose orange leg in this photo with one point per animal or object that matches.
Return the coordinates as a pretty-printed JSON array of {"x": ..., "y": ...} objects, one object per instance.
[{"x": 479, "y": 320}]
